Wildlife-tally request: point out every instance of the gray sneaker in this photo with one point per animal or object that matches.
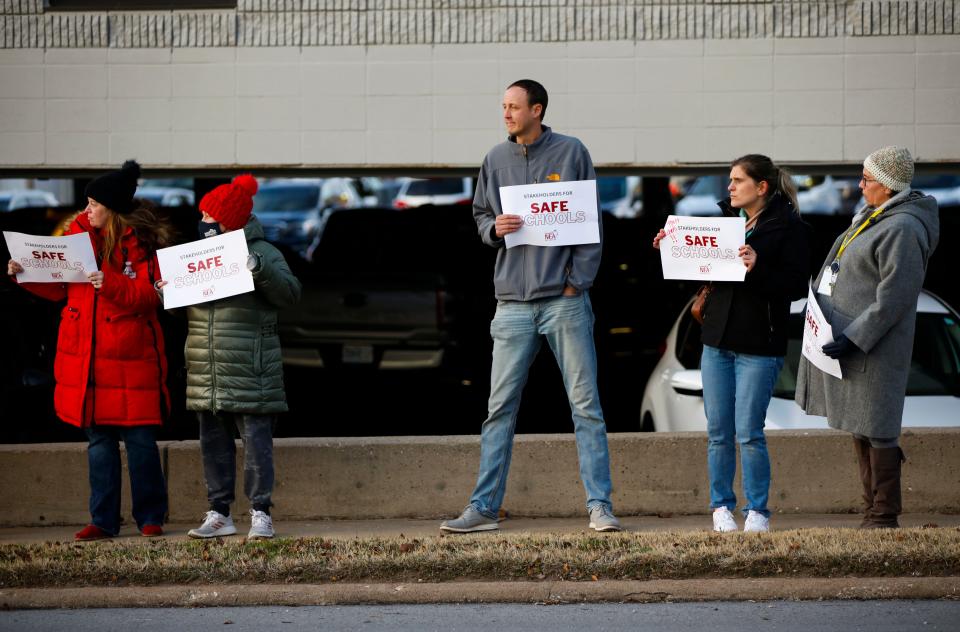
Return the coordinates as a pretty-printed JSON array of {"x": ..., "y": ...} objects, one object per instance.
[
  {"x": 261, "y": 525},
  {"x": 214, "y": 525},
  {"x": 602, "y": 519},
  {"x": 470, "y": 521}
]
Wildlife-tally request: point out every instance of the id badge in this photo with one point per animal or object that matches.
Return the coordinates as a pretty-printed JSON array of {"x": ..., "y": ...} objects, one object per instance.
[{"x": 827, "y": 279}]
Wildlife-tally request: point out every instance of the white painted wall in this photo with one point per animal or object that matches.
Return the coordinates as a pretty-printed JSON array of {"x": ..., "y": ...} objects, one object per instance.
[{"x": 633, "y": 103}]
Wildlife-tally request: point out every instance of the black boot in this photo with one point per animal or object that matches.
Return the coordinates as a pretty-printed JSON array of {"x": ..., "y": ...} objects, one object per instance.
[{"x": 887, "y": 504}]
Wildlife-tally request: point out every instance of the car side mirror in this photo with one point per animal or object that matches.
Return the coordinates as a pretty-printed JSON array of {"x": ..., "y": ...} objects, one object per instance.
[{"x": 687, "y": 383}]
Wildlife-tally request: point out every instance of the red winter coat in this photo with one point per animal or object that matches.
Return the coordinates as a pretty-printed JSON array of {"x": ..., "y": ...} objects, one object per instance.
[{"x": 117, "y": 327}]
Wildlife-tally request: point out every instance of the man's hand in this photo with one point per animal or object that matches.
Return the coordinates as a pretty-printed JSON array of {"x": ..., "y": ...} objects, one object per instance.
[
  {"x": 506, "y": 224},
  {"x": 569, "y": 290},
  {"x": 839, "y": 347},
  {"x": 14, "y": 268}
]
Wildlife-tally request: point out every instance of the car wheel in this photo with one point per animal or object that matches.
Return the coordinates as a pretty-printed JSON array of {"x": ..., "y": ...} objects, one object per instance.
[{"x": 647, "y": 425}]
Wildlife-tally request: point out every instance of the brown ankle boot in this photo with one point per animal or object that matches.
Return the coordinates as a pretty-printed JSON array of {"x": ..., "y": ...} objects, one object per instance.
[
  {"x": 887, "y": 505},
  {"x": 862, "y": 449}
]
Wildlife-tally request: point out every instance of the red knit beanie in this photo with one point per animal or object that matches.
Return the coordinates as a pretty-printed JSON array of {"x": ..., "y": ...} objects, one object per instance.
[{"x": 231, "y": 204}]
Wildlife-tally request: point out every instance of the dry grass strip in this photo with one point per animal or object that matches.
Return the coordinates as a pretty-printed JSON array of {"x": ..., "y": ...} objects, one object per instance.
[{"x": 920, "y": 552}]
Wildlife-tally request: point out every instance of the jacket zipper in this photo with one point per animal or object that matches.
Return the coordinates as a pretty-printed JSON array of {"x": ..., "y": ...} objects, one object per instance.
[
  {"x": 523, "y": 251},
  {"x": 91, "y": 375},
  {"x": 156, "y": 350},
  {"x": 213, "y": 366}
]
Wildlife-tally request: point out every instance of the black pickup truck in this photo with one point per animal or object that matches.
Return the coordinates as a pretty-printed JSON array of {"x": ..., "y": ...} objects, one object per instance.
[{"x": 392, "y": 290}]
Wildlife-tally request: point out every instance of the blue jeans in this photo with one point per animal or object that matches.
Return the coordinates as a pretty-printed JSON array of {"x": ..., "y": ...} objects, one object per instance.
[
  {"x": 147, "y": 486},
  {"x": 567, "y": 324},
  {"x": 736, "y": 391}
]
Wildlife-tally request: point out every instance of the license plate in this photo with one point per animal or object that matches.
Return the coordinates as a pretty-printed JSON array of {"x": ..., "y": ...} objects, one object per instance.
[{"x": 357, "y": 354}]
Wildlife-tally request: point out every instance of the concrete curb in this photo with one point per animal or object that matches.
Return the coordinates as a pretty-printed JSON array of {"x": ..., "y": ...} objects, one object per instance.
[
  {"x": 765, "y": 589},
  {"x": 814, "y": 471}
]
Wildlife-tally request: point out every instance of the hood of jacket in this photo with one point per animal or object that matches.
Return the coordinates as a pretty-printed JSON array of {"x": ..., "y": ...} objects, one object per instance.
[
  {"x": 253, "y": 230},
  {"x": 918, "y": 205}
]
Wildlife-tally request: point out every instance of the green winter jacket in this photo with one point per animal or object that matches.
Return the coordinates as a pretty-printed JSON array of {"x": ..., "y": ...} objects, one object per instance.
[{"x": 233, "y": 350}]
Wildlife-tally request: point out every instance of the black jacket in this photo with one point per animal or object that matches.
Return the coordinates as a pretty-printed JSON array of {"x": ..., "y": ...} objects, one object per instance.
[{"x": 751, "y": 317}]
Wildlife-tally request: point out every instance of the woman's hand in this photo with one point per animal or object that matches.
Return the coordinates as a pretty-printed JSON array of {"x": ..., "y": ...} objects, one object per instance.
[
  {"x": 14, "y": 268},
  {"x": 658, "y": 238},
  {"x": 749, "y": 256},
  {"x": 96, "y": 279}
]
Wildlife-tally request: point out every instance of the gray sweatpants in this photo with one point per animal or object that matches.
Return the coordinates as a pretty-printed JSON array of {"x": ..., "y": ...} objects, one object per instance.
[{"x": 218, "y": 447}]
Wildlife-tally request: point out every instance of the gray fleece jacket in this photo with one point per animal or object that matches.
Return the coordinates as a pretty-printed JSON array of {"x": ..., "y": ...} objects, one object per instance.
[{"x": 525, "y": 273}]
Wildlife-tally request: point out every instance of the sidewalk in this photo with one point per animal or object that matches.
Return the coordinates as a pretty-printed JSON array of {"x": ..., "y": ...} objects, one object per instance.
[{"x": 419, "y": 528}]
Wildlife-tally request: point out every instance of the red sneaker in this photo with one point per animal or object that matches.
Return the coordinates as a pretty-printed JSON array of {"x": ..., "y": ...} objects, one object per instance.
[
  {"x": 151, "y": 530},
  {"x": 91, "y": 532}
]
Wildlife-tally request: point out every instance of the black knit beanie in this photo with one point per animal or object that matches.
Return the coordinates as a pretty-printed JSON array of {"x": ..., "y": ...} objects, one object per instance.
[{"x": 115, "y": 190}]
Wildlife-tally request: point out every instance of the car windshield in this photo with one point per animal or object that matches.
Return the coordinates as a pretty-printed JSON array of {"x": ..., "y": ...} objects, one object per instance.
[
  {"x": 4, "y": 204},
  {"x": 286, "y": 198},
  {"x": 438, "y": 186},
  {"x": 934, "y": 367},
  {"x": 611, "y": 189},
  {"x": 151, "y": 196},
  {"x": 711, "y": 186},
  {"x": 935, "y": 182}
]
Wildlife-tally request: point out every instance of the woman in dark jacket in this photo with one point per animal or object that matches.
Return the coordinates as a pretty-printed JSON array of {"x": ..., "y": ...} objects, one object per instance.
[
  {"x": 745, "y": 335},
  {"x": 110, "y": 366}
]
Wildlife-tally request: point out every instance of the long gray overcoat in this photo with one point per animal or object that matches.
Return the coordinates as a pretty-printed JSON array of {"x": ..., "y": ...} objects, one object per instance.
[{"x": 873, "y": 303}]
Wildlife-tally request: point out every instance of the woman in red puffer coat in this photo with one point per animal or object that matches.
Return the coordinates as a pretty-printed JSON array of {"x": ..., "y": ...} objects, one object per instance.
[{"x": 110, "y": 366}]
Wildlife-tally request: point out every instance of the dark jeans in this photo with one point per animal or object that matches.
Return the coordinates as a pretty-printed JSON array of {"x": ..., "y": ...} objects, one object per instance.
[
  {"x": 217, "y": 444},
  {"x": 147, "y": 486}
]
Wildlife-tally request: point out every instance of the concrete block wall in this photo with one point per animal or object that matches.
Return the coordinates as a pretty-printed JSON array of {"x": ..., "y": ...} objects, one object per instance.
[
  {"x": 358, "y": 83},
  {"x": 432, "y": 477},
  {"x": 826, "y": 100}
]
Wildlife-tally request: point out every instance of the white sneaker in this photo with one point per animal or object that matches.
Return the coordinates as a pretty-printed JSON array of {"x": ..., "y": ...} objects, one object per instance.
[
  {"x": 756, "y": 522},
  {"x": 214, "y": 525},
  {"x": 261, "y": 525},
  {"x": 723, "y": 520}
]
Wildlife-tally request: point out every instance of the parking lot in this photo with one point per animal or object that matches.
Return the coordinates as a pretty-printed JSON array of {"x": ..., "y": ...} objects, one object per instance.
[{"x": 391, "y": 337}]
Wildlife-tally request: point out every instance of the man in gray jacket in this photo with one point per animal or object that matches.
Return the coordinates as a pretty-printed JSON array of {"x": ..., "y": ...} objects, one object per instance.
[{"x": 541, "y": 291}]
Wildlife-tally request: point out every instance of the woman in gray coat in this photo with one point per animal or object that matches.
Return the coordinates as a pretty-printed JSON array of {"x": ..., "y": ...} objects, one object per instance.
[{"x": 868, "y": 290}]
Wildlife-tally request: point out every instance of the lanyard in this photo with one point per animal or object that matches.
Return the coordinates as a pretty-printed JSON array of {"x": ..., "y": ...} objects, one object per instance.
[{"x": 835, "y": 266}]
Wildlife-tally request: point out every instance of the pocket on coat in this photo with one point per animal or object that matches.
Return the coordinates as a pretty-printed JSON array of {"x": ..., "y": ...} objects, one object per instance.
[
  {"x": 68, "y": 338},
  {"x": 857, "y": 360}
]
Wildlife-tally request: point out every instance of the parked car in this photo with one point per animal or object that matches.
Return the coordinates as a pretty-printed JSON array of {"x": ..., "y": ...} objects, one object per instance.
[
  {"x": 291, "y": 211},
  {"x": 850, "y": 195},
  {"x": 436, "y": 191},
  {"x": 944, "y": 188},
  {"x": 26, "y": 198},
  {"x": 389, "y": 291},
  {"x": 673, "y": 397},
  {"x": 815, "y": 195},
  {"x": 620, "y": 195},
  {"x": 166, "y": 196}
]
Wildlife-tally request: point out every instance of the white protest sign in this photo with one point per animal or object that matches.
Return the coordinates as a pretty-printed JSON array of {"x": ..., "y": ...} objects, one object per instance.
[
  {"x": 554, "y": 213},
  {"x": 205, "y": 270},
  {"x": 703, "y": 248},
  {"x": 816, "y": 333},
  {"x": 52, "y": 259}
]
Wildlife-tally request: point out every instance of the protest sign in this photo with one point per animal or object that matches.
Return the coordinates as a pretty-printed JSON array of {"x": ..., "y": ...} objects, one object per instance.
[
  {"x": 52, "y": 259},
  {"x": 816, "y": 333},
  {"x": 554, "y": 213},
  {"x": 205, "y": 270},
  {"x": 703, "y": 248}
]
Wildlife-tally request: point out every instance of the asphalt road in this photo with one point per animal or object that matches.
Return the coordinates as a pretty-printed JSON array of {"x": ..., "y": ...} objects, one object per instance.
[{"x": 816, "y": 616}]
